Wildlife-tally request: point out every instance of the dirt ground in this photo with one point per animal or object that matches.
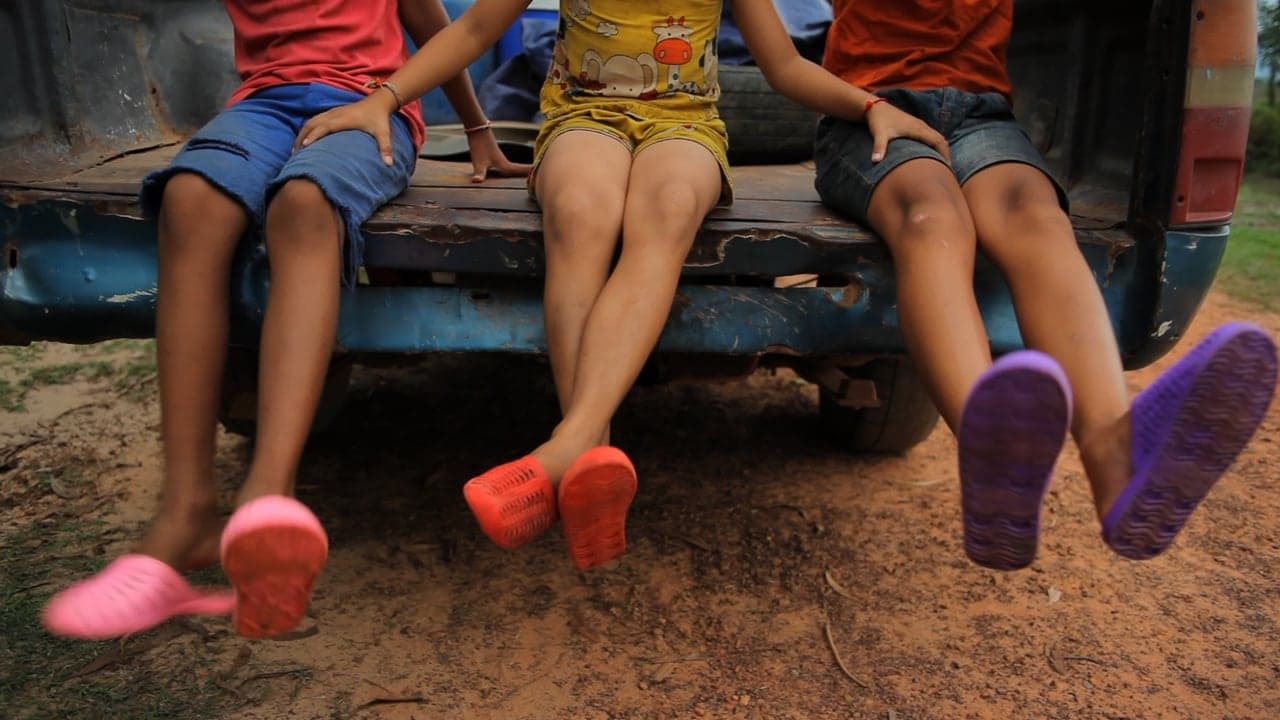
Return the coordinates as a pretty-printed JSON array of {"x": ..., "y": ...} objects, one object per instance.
[{"x": 755, "y": 550}]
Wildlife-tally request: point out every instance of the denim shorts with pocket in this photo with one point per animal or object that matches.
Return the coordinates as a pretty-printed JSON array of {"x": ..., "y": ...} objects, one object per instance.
[
  {"x": 246, "y": 151},
  {"x": 980, "y": 129}
]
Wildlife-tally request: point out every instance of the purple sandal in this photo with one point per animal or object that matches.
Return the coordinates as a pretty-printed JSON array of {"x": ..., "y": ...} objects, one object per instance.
[
  {"x": 1188, "y": 427},
  {"x": 1011, "y": 433}
]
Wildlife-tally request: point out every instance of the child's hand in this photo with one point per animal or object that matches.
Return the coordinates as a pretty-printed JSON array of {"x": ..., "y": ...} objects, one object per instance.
[
  {"x": 887, "y": 122},
  {"x": 372, "y": 115},
  {"x": 487, "y": 157}
]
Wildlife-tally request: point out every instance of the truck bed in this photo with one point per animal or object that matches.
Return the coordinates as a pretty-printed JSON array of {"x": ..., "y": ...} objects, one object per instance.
[
  {"x": 452, "y": 266},
  {"x": 444, "y": 223}
]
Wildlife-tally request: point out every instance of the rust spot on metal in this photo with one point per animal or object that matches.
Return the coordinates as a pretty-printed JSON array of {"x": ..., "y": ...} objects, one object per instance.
[
  {"x": 851, "y": 294},
  {"x": 781, "y": 350}
]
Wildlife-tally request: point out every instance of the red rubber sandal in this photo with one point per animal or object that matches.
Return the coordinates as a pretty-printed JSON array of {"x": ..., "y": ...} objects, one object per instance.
[
  {"x": 595, "y": 495},
  {"x": 513, "y": 502}
]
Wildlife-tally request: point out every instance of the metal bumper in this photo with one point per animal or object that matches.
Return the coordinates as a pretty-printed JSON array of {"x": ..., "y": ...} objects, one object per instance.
[{"x": 74, "y": 274}]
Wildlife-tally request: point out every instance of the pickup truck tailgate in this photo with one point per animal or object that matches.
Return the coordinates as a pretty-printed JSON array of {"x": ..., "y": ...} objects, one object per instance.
[{"x": 454, "y": 266}]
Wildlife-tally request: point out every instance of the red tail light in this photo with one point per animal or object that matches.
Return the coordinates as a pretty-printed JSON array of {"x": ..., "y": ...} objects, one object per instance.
[{"x": 1216, "y": 111}]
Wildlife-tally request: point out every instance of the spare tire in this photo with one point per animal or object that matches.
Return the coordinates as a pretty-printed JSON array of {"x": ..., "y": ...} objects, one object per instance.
[
  {"x": 905, "y": 417},
  {"x": 764, "y": 126}
]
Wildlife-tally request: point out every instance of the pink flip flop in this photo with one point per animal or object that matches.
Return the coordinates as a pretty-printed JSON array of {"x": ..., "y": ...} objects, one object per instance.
[
  {"x": 132, "y": 594},
  {"x": 273, "y": 548}
]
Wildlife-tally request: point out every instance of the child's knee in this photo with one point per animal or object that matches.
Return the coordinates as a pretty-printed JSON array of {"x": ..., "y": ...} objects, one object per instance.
[
  {"x": 300, "y": 217},
  {"x": 582, "y": 216},
  {"x": 295, "y": 199},
  {"x": 670, "y": 211},
  {"x": 934, "y": 222},
  {"x": 198, "y": 222},
  {"x": 1039, "y": 217},
  {"x": 190, "y": 197},
  {"x": 1030, "y": 197}
]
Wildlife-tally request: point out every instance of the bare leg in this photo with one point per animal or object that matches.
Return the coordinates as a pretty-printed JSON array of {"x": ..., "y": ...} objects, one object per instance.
[
  {"x": 674, "y": 184},
  {"x": 1026, "y": 234},
  {"x": 920, "y": 212},
  {"x": 582, "y": 187},
  {"x": 304, "y": 241},
  {"x": 199, "y": 228}
]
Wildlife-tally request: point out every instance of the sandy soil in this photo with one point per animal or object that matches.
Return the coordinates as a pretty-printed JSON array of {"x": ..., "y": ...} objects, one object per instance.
[{"x": 749, "y": 539}]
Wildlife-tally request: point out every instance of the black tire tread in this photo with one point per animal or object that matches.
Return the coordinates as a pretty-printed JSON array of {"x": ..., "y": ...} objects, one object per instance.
[{"x": 764, "y": 127}]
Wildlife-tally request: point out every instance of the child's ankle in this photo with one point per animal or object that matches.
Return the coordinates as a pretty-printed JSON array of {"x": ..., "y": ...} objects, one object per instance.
[
  {"x": 191, "y": 509},
  {"x": 1107, "y": 458},
  {"x": 558, "y": 453}
]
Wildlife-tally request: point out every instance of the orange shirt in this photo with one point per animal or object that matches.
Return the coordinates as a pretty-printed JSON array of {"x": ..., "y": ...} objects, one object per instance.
[
  {"x": 921, "y": 44},
  {"x": 339, "y": 43}
]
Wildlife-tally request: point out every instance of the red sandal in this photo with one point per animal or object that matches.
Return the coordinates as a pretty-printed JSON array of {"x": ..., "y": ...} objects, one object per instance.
[
  {"x": 513, "y": 502},
  {"x": 595, "y": 495}
]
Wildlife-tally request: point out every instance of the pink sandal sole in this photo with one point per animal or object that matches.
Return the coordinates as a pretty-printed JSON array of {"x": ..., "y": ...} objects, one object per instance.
[{"x": 273, "y": 549}]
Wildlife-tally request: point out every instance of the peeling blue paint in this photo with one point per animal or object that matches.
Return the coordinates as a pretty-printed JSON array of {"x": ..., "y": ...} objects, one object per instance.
[{"x": 95, "y": 279}]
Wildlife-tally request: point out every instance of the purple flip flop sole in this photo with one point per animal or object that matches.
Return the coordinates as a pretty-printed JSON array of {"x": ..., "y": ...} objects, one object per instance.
[
  {"x": 1014, "y": 424},
  {"x": 1188, "y": 427}
]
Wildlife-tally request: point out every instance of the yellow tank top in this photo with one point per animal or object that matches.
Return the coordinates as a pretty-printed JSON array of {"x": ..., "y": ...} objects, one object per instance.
[{"x": 639, "y": 49}]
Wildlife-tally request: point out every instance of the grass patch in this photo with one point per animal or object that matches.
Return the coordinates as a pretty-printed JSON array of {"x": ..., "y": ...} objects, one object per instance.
[
  {"x": 13, "y": 395},
  {"x": 1251, "y": 267},
  {"x": 68, "y": 372},
  {"x": 128, "y": 365},
  {"x": 36, "y": 668}
]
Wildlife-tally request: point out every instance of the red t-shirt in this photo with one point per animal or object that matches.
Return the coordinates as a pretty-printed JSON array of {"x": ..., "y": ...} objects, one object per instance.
[
  {"x": 921, "y": 44},
  {"x": 342, "y": 43}
]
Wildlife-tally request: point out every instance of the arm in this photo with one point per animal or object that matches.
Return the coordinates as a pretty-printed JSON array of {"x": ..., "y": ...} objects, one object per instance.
[
  {"x": 810, "y": 85},
  {"x": 447, "y": 54},
  {"x": 423, "y": 19}
]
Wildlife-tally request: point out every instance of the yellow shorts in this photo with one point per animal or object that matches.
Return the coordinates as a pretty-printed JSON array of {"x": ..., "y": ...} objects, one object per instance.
[{"x": 637, "y": 125}]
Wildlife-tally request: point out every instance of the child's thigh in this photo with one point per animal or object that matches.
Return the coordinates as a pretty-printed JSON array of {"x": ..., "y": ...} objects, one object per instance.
[
  {"x": 582, "y": 175},
  {"x": 348, "y": 169},
  {"x": 980, "y": 146},
  {"x": 239, "y": 152},
  {"x": 847, "y": 179},
  {"x": 675, "y": 157},
  {"x": 350, "y": 172},
  {"x": 673, "y": 174},
  {"x": 1016, "y": 196}
]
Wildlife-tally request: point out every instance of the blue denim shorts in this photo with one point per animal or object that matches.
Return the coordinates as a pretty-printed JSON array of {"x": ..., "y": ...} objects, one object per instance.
[
  {"x": 246, "y": 151},
  {"x": 980, "y": 128}
]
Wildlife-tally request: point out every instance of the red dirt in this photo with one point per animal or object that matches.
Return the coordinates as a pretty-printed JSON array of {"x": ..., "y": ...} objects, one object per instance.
[{"x": 747, "y": 539}]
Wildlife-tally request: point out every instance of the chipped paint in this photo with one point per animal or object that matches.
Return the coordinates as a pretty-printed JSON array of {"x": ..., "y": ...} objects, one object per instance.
[
  {"x": 1164, "y": 328},
  {"x": 130, "y": 296},
  {"x": 69, "y": 219}
]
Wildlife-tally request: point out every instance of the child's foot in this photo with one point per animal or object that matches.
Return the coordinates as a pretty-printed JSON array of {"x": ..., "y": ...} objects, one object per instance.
[
  {"x": 185, "y": 540},
  {"x": 1188, "y": 427},
  {"x": 133, "y": 594},
  {"x": 594, "y": 498},
  {"x": 272, "y": 550},
  {"x": 514, "y": 503},
  {"x": 1011, "y": 433}
]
